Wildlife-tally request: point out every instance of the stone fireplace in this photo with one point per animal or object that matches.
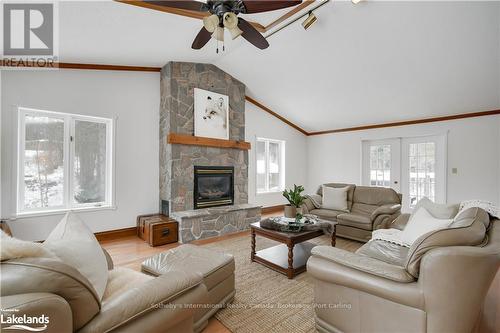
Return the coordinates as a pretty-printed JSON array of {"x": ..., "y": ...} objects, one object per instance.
[
  {"x": 179, "y": 187},
  {"x": 213, "y": 186}
]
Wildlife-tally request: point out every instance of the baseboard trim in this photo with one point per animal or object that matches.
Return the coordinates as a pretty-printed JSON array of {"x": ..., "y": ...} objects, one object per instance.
[
  {"x": 115, "y": 234},
  {"x": 272, "y": 209}
]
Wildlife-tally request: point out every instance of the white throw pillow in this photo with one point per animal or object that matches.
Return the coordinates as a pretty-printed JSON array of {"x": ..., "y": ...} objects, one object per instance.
[
  {"x": 74, "y": 243},
  {"x": 440, "y": 211},
  {"x": 335, "y": 198},
  {"x": 420, "y": 223}
]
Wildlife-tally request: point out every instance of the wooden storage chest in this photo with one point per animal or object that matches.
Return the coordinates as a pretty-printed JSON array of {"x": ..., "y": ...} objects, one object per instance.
[{"x": 157, "y": 229}]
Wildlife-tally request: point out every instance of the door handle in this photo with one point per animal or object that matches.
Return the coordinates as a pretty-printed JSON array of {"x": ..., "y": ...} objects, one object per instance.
[{"x": 395, "y": 182}]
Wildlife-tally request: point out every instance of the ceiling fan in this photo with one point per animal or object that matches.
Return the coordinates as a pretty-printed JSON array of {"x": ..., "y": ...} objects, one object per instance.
[{"x": 225, "y": 15}]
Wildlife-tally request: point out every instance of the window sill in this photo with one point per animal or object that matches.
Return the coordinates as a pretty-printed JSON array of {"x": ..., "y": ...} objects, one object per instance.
[{"x": 61, "y": 211}]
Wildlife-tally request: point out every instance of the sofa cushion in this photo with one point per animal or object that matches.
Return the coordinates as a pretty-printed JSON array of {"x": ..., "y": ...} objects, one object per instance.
[
  {"x": 377, "y": 196},
  {"x": 122, "y": 279},
  {"x": 326, "y": 214},
  {"x": 335, "y": 198},
  {"x": 467, "y": 229},
  {"x": 350, "y": 192},
  {"x": 362, "y": 263},
  {"x": 214, "y": 266},
  {"x": 355, "y": 220},
  {"x": 74, "y": 243},
  {"x": 439, "y": 211},
  {"x": 388, "y": 252},
  {"x": 363, "y": 209}
]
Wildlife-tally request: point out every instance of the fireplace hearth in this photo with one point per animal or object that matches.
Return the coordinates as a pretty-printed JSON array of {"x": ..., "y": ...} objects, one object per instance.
[{"x": 213, "y": 186}]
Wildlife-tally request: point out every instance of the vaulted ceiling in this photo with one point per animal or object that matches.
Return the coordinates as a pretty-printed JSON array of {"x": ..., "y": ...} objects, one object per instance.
[{"x": 359, "y": 64}]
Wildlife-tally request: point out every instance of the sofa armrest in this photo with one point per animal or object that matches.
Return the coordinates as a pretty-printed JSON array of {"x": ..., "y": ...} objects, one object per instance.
[
  {"x": 327, "y": 271},
  {"x": 390, "y": 209},
  {"x": 159, "y": 294},
  {"x": 400, "y": 222},
  {"x": 472, "y": 270},
  {"x": 46, "y": 275},
  {"x": 53, "y": 307},
  {"x": 363, "y": 263},
  {"x": 311, "y": 202}
]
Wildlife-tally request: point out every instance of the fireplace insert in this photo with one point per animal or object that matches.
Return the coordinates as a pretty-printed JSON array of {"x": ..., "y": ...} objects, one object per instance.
[{"x": 213, "y": 186}]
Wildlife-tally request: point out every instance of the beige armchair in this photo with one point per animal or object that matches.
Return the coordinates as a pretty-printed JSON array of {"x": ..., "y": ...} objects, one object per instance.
[
  {"x": 41, "y": 286},
  {"x": 437, "y": 285}
]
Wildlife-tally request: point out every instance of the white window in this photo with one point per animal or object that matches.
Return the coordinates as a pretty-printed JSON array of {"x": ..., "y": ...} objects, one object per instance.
[
  {"x": 270, "y": 166},
  {"x": 65, "y": 161}
]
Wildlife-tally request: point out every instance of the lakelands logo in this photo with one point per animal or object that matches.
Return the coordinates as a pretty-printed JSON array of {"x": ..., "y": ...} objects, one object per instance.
[
  {"x": 29, "y": 34},
  {"x": 24, "y": 322}
]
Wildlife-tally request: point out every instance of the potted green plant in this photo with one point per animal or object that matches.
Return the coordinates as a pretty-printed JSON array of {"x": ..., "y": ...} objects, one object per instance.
[{"x": 295, "y": 198}]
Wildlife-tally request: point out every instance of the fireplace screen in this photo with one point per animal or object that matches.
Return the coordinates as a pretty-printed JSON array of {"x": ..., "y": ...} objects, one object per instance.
[{"x": 213, "y": 186}]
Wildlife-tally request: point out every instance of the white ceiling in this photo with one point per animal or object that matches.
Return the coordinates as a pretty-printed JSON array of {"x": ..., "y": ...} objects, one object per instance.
[{"x": 370, "y": 63}]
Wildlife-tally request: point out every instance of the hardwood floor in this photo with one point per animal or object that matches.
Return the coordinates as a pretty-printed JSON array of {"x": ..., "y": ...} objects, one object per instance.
[{"x": 131, "y": 251}]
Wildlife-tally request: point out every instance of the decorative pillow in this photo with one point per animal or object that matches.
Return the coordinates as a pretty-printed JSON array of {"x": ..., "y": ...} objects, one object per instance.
[
  {"x": 439, "y": 211},
  {"x": 74, "y": 243},
  {"x": 335, "y": 198},
  {"x": 467, "y": 229},
  {"x": 420, "y": 223},
  {"x": 13, "y": 248}
]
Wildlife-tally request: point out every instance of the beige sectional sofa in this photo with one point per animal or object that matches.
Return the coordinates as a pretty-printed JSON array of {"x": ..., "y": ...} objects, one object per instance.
[
  {"x": 140, "y": 303},
  {"x": 437, "y": 285},
  {"x": 370, "y": 208}
]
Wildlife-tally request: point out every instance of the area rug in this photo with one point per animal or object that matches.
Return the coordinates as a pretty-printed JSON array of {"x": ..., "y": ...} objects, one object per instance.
[{"x": 267, "y": 301}]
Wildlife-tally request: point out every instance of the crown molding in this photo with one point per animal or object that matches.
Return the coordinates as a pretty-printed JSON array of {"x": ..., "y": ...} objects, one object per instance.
[
  {"x": 65, "y": 65},
  {"x": 409, "y": 122},
  {"x": 274, "y": 114}
]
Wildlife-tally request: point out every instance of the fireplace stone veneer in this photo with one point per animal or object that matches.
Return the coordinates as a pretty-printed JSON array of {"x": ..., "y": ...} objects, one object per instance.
[
  {"x": 217, "y": 221},
  {"x": 177, "y": 161}
]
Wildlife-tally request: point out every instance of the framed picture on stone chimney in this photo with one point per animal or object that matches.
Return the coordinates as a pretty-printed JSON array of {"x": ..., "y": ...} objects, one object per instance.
[{"x": 211, "y": 114}]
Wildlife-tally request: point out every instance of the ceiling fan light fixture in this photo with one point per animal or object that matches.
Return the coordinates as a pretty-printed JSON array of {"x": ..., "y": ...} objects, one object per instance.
[
  {"x": 211, "y": 22},
  {"x": 235, "y": 32},
  {"x": 310, "y": 20},
  {"x": 219, "y": 34},
  {"x": 230, "y": 20}
]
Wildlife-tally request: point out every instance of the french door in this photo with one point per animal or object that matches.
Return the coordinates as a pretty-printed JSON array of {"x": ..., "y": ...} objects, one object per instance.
[
  {"x": 415, "y": 167},
  {"x": 382, "y": 163},
  {"x": 423, "y": 169}
]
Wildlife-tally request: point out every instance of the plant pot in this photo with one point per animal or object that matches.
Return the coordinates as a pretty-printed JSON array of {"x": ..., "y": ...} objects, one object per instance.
[{"x": 290, "y": 211}]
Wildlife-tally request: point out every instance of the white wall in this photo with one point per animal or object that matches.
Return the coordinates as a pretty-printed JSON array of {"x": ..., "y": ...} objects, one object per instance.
[
  {"x": 473, "y": 148},
  {"x": 132, "y": 97},
  {"x": 262, "y": 124}
]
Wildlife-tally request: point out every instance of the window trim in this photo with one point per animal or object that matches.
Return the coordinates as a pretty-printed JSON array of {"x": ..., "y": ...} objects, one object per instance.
[
  {"x": 282, "y": 144},
  {"x": 68, "y": 151}
]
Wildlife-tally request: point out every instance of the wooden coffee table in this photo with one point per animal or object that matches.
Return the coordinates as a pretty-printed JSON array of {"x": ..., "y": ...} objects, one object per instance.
[{"x": 290, "y": 257}]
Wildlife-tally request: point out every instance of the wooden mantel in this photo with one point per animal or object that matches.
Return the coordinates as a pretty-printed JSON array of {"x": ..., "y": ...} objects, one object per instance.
[{"x": 184, "y": 139}]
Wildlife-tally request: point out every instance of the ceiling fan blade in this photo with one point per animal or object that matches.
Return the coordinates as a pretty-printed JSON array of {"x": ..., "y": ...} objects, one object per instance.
[
  {"x": 201, "y": 39},
  {"x": 196, "y": 6},
  {"x": 259, "y": 6},
  {"x": 252, "y": 35}
]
